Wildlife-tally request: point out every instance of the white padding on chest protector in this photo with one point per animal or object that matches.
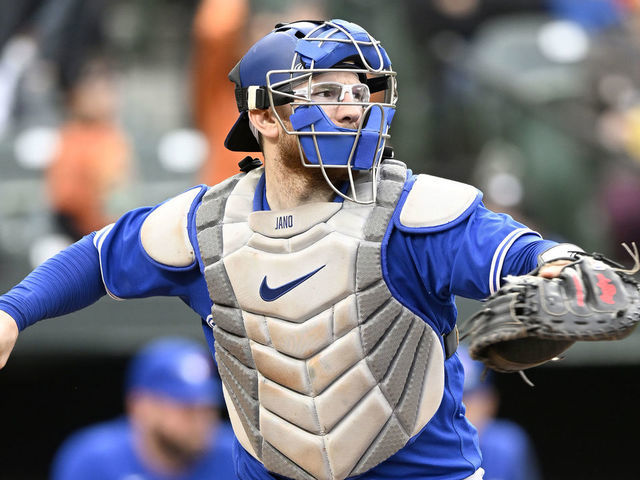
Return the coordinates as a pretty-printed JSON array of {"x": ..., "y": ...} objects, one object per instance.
[
  {"x": 435, "y": 201},
  {"x": 164, "y": 234}
]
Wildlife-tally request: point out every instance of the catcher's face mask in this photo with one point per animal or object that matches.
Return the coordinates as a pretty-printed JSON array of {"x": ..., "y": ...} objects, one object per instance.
[{"x": 321, "y": 68}]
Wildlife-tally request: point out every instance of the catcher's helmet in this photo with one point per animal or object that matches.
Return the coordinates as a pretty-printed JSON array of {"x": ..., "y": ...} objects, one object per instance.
[{"x": 274, "y": 69}]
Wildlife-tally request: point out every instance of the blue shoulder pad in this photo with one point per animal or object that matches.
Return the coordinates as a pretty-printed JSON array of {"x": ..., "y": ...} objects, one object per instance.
[{"x": 433, "y": 204}]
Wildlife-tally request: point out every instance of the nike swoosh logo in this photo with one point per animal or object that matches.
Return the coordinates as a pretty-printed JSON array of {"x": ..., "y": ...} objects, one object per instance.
[{"x": 269, "y": 294}]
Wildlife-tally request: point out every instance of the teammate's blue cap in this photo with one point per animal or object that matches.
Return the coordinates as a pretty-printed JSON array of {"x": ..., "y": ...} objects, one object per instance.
[
  {"x": 475, "y": 378},
  {"x": 175, "y": 368}
]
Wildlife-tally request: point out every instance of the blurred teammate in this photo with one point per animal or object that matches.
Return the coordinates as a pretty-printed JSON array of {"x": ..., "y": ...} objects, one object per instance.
[
  {"x": 326, "y": 278},
  {"x": 507, "y": 453},
  {"x": 172, "y": 430}
]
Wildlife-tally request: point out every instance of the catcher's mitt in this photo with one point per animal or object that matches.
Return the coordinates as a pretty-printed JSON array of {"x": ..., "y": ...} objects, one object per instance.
[{"x": 532, "y": 319}]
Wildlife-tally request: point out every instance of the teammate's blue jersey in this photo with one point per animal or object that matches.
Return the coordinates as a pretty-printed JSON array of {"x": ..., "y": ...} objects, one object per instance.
[
  {"x": 107, "y": 451},
  {"x": 507, "y": 453},
  {"x": 424, "y": 268}
]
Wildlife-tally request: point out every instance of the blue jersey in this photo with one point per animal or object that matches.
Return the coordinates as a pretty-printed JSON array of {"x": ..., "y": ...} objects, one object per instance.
[
  {"x": 107, "y": 452},
  {"x": 425, "y": 268},
  {"x": 507, "y": 453}
]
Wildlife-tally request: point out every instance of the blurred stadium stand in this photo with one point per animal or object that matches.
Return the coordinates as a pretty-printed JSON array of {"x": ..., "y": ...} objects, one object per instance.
[{"x": 516, "y": 95}]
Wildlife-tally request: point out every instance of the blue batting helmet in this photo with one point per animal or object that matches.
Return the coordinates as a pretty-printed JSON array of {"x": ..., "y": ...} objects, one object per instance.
[{"x": 175, "y": 368}]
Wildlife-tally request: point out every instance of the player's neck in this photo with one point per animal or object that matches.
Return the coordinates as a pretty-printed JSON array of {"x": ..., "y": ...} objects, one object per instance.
[{"x": 289, "y": 186}]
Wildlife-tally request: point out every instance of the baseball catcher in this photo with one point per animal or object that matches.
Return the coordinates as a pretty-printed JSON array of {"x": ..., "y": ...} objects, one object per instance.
[
  {"x": 326, "y": 278},
  {"x": 532, "y": 319}
]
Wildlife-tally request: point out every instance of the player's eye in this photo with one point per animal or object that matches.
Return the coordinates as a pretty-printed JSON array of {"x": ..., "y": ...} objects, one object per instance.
[{"x": 329, "y": 92}]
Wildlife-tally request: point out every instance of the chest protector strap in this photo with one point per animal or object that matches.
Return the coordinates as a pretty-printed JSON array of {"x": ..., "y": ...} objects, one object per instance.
[{"x": 325, "y": 373}]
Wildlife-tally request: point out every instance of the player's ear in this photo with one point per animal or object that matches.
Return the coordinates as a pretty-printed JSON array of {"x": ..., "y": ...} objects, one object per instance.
[{"x": 265, "y": 122}]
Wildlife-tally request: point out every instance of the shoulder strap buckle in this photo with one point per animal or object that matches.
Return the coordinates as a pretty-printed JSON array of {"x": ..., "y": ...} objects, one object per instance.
[{"x": 451, "y": 341}]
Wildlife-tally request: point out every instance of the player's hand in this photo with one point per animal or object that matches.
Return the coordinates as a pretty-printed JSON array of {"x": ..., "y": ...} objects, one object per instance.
[
  {"x": 552, "y": 269},
  {"x": 8, "y": 336}
]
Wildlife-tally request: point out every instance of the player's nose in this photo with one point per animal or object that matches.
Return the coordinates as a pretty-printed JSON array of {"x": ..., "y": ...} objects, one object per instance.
[{"x": 348, "y": 115}]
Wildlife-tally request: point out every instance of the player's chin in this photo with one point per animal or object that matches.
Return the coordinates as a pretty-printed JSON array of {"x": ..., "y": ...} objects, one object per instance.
[{"x": 184, "y": 450}]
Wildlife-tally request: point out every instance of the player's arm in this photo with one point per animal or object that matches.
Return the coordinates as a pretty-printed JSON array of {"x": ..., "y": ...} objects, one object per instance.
[
  {"x": 147, "y": 252},
  {"x": 8, "y": 336},
  {"x": 501, "y": 246},
  {"x": 66, "y": 282},
  {"x": 467, "y": 248}
]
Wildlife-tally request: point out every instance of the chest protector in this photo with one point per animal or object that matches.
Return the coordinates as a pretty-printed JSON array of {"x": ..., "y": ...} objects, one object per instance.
[{"x": 325, "y": 374}]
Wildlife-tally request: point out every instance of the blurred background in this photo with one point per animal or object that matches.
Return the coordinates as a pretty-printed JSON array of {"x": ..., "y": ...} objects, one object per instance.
[{"x": 110, "y": 105}]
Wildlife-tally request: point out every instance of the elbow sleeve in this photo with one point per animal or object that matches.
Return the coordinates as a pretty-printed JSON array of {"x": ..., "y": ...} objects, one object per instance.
[{"x": 67, "y": 282}]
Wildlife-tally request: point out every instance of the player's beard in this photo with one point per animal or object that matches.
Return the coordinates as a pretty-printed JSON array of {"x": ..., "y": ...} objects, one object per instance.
[
  {"x": 179, "y": 452},
  {"x": 289, "y": 155}
]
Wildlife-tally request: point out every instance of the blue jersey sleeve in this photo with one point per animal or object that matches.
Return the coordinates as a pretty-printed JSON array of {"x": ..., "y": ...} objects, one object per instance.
[
  {"x": 468, "y": 259},
  {"x": 111, "y": 259},
  {"x": 488, "y": 247},
  {"x": 129, "y": 272},
  {"x": 426, "y": 269}
]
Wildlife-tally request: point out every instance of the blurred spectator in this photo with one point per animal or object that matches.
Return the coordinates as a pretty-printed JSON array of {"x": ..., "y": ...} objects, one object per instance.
[
  {"x": 219, "y": 42},
  {"x": 71, "y": 33},
  {"x": 93, "y": 156},
  {"x": 507, "y": 453},
  {"x": 522, "y": 74},
  {"x": 173, "y": 429},
  {"x": 58, "y": 36},
  {"x": 591, "y": 14},
  {"x": 15, "y": 58},
  {"x": 444, "y": 31}
]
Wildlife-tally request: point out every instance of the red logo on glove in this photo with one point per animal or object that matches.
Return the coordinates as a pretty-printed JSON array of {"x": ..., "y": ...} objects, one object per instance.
[
  {"x": 579, "y": 291},
  {"x": 607, "y": 288}
]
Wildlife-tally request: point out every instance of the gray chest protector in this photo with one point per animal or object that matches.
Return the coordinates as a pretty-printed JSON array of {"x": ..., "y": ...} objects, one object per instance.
[{"x": 325, "y": 374}]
